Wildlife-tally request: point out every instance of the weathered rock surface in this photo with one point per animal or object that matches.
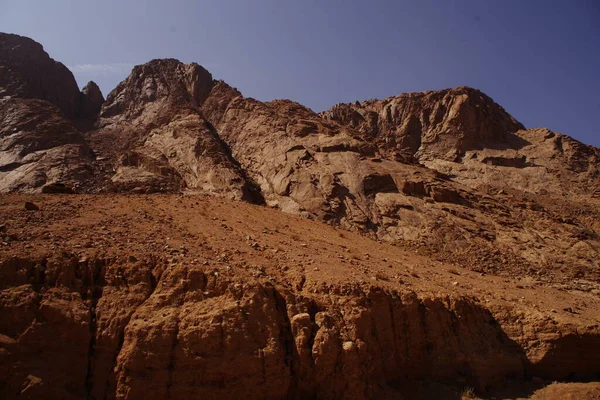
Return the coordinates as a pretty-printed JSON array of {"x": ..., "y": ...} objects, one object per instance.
[
  {"x": 38, "y": 97},
  {"x": 38, "y": 146},
  {"x": 465, "y": 134},
  {"x": 548, "y": 163},
  {"x": 318, "y": 168},
  {"x": 440, "y": 124},
  {"x": 152, "y": 130},
  {"x": 27, "y": 71}
]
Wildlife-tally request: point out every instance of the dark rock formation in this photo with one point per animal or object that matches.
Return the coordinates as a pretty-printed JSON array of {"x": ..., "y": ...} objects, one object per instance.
[
  {"x": 27, "y": 71},
  {"x": 39, "y": 146},
  {"x": 91, "y": 101}
]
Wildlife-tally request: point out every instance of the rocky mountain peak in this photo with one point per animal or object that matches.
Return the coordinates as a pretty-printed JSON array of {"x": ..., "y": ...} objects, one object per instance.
[
  {"x": 432, "y": 124},
  {"x": 167, "y": 82},
  {"x": 16, "y": 46},
  {"x": 93, "y": 92},
  {"x": 27, "y": 71},
  {"x": 156, "y": 138}
]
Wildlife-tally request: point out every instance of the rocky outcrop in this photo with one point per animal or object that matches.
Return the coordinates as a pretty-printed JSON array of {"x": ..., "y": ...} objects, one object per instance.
[
  {"x": 549, "y": 163},
  {"x": 91, "y": 102},
  {"x": 463, "y": 133},
  {"x": 152, "y": 87},
  {"x": 154, "y": 134},
  {"x": 179, "y": 337},
  {"x": 440, "y": 124},
  {"x": 27, "y": 71},
  {"x": 298, "y": 159},
  {"x": 318, "y": 168},
  {"x": 38, "y": 146}
]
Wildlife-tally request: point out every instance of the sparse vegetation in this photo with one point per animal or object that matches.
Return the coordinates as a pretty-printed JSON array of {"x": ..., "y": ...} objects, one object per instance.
[{"x": 468, "y": 393}]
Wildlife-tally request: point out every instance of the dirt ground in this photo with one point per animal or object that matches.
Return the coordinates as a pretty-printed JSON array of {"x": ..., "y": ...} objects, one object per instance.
[{"x": 251, "y": 242}]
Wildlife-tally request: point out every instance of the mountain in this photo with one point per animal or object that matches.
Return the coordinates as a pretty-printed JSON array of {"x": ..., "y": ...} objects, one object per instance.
[
  {"x": 29, "y": 72},
  {"x": 517, "y": 202},
  {"x": 41, "y": 111},
  {"x": 431, "y": 125},
  {"x": 153, "y": 133},
  {"x": 449, "y": 129},
  {"x": 450, "y": 247}
]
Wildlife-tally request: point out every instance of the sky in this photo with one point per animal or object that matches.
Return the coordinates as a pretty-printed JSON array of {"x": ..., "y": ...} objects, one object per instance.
[{"x": 539, "y": 59}]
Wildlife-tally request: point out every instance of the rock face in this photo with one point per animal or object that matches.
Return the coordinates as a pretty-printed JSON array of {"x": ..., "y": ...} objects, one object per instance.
[
  {"x": 153, "y": 131},
  {"x": 27, "y": 71},
  {"x": 449, "y": 129},
  {"x": 547, "y": 162},
  {"x": 38, "y": 97},
  {"x": 38, "y": 146},
  {"x": 296, "y": 157},
  {"x": 322, "y": 169},
  {"x": 441, "y": 124}
]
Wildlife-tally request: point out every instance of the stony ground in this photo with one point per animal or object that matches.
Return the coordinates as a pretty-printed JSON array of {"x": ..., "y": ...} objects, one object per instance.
[{"x": 144, "y": 277}]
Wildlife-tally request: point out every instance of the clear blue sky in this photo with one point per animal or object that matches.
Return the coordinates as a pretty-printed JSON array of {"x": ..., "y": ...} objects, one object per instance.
[{"x": 540, "y": 59}]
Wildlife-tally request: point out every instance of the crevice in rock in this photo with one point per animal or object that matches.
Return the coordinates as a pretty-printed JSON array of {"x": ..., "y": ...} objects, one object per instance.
[
  {"x": 108, "y": 390},
  {"x": 172, "y": 357},
  {"x": 285, "y": 332},
  {"x": 391, "y": 301},
  {"x": 89, "y": 379}
]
